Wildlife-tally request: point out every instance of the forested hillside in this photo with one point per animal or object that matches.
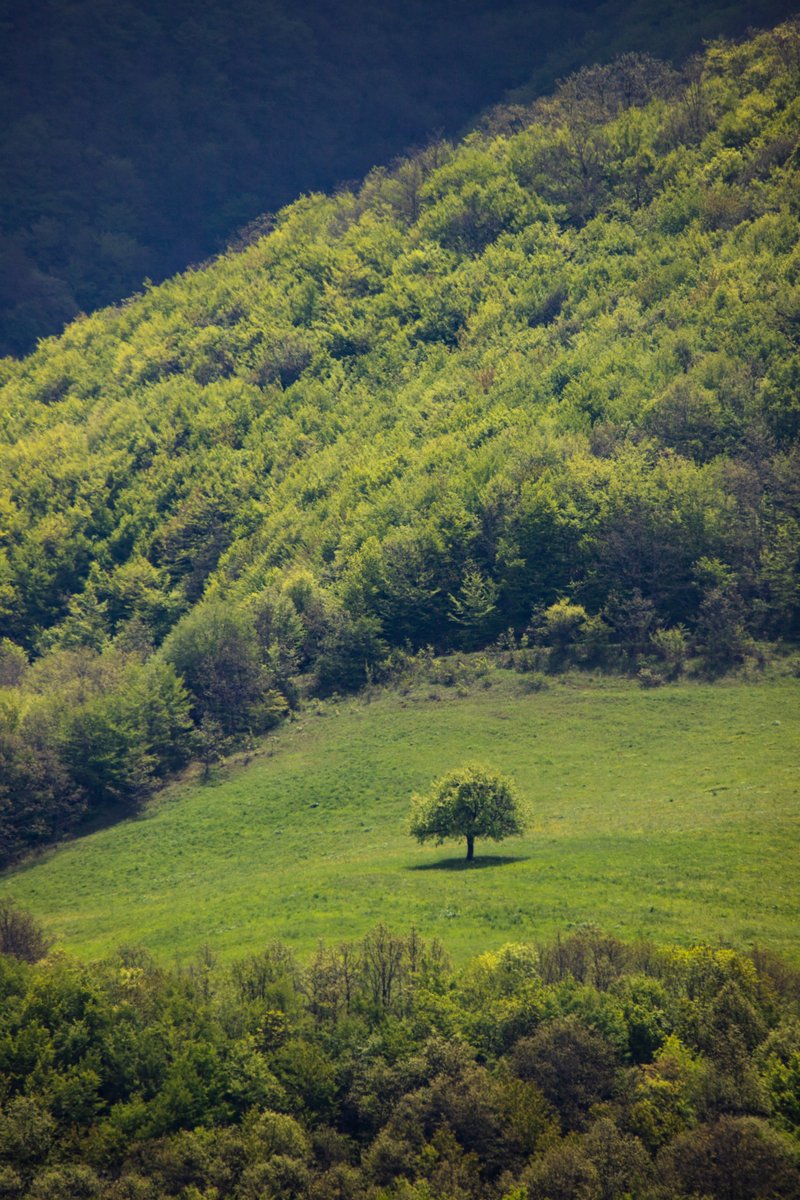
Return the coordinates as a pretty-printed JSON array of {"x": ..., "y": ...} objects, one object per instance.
[
  {"x": 137, "y": 137},
  {"x": 539, "y": 386}
]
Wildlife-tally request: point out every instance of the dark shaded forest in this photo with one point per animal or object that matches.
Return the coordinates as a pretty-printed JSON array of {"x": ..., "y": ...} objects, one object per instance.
[{"x": 138, "y": 137}]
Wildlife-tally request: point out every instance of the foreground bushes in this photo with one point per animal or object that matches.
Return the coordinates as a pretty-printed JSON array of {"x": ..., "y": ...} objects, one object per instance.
[{"x": 586, "y": 1068}]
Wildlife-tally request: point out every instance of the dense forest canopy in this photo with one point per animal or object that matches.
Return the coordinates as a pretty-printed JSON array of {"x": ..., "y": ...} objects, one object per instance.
[
  {"x": 539, "y": 386},
  {"x": 136, "y": 137},
  {"x": 581, "y": 1070}
]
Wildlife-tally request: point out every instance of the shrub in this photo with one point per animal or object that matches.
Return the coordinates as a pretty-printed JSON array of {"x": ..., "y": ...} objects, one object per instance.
[{"x": 671, "y": 648}]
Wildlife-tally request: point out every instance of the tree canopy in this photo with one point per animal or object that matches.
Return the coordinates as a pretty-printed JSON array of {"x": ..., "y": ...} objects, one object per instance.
[
  {"x": 584, "y": 1067},
  {"x": 472, "y": 802}
]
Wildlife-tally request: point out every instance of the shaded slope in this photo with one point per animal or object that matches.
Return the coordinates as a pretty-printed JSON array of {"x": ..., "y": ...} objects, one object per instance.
[{"x": 137, "y": 137}]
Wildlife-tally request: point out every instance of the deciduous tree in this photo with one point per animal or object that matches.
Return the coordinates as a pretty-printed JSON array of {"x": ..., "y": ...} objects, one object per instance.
[{"x": 471, "y": 802}]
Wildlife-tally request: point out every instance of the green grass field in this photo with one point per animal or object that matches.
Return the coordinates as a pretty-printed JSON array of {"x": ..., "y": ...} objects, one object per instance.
[{"x": 670, "y": 813}]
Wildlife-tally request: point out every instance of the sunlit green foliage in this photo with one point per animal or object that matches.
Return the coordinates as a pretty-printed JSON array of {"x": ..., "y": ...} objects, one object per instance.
[{"x": 472, "y": 802}]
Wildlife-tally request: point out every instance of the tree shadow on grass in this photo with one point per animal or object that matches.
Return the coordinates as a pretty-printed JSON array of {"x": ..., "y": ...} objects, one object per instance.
[{"x": 460, "y": 864}]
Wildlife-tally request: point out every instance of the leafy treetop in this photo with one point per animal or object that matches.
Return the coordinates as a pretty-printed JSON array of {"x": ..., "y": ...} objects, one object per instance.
[{"x": 470, "y": 802}]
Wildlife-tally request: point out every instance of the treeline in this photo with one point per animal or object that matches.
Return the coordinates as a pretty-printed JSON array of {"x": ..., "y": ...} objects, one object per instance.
[
  {"x": 137, "y": 138},
  {"x": 540, "y": 387},
  {"x": 87, "y": 733},
  {"x": 584, "y": 1068}
]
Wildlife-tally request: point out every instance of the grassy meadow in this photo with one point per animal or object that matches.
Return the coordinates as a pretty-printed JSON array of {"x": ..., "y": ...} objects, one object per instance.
[{"x": 669, "y": 813}]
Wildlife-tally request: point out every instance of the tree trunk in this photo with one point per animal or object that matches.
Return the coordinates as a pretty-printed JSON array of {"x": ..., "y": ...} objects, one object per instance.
[{"x": 470, "y": 847}]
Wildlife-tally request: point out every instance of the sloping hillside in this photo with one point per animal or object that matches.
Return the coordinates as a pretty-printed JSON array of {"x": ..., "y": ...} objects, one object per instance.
[
  {"x": 543, "y": 381},
  {"x": 667, "y": 814}
]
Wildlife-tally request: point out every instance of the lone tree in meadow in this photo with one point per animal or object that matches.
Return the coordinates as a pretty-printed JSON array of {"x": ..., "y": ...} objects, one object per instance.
[{"x": 472, "y": 802}]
